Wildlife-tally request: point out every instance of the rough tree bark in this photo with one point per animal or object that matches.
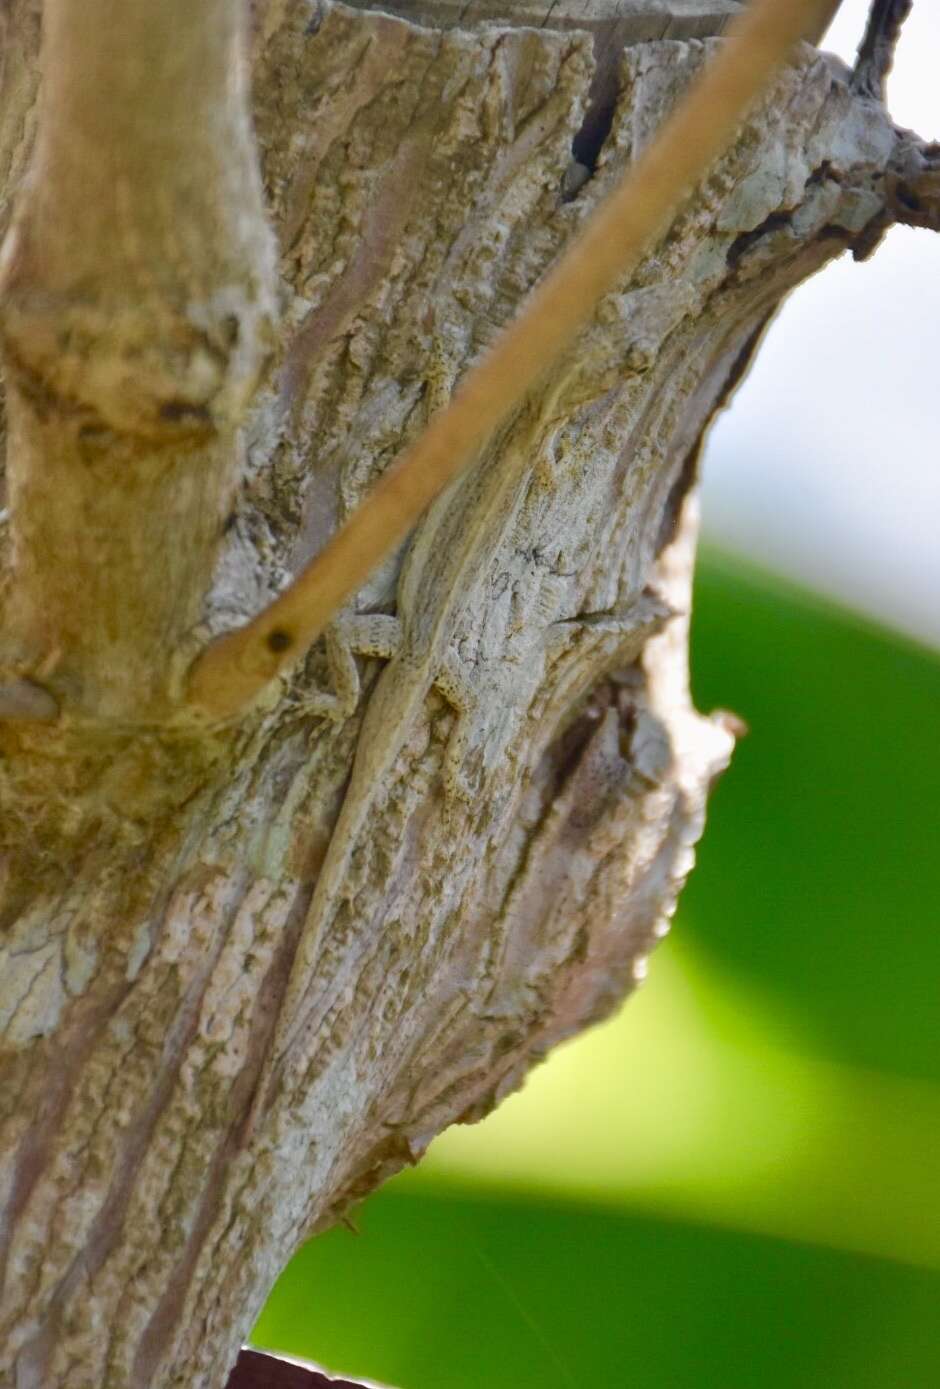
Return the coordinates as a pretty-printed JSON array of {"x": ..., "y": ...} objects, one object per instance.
[{"x": 250, "y": 971}]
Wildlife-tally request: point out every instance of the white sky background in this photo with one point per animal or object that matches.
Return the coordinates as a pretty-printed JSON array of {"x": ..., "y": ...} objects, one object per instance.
[{"x": 826, "y": 466}]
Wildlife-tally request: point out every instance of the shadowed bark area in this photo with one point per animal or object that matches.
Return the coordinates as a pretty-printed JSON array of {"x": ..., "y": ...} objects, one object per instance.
[{"x": 247, "y": 974}]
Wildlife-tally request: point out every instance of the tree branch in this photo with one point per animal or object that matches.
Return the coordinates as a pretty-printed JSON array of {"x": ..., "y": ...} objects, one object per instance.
[
  {"x": 233, "y": 671},
  {"x": 876, "y": 51},
  {"x": 136, "y": 306}
]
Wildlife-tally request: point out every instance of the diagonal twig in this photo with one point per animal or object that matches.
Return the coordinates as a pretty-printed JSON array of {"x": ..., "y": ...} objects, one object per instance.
[{"x": 233, "y": 670}]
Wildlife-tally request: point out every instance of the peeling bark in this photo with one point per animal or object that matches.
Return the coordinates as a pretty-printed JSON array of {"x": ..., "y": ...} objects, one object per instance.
[{"x": 247, "y": 976}]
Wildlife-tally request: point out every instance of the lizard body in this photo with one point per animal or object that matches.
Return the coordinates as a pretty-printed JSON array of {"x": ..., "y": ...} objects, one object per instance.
[
  {"x": 427, "y": 648},
  {"x": 506, "y": 515}
]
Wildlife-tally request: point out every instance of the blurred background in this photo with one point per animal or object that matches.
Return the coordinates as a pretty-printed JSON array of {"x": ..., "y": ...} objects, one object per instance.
[{"x": 735, "y": 1182}]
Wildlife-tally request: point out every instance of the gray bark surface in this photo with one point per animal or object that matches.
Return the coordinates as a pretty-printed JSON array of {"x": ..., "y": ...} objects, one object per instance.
[{"x": 247, "y": 973}]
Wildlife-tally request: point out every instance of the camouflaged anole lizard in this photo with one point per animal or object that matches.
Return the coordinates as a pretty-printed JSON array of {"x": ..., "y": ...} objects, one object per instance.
[{"x": 453, "y": 550}]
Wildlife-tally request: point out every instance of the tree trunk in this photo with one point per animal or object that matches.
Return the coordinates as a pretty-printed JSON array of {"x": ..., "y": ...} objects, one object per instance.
[{"x": 250, "y": 971}]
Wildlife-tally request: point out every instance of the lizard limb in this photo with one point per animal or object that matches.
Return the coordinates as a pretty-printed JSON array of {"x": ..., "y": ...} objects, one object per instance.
[
  {"x": 351, "y": 635},
  {"x": 631, "y": 625},
  {"x": 452, "y": 682}
]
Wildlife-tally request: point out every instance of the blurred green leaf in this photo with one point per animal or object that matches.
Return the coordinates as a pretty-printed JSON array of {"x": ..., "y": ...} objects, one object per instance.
[
  {"x": 692, "y": 1102},
  {"x": 446, "y": 1293},
  {"x": 819, "y": 874}
]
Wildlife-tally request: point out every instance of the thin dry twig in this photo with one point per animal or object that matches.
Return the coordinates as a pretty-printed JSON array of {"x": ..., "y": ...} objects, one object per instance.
[{"x": 237, "y": 666}]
